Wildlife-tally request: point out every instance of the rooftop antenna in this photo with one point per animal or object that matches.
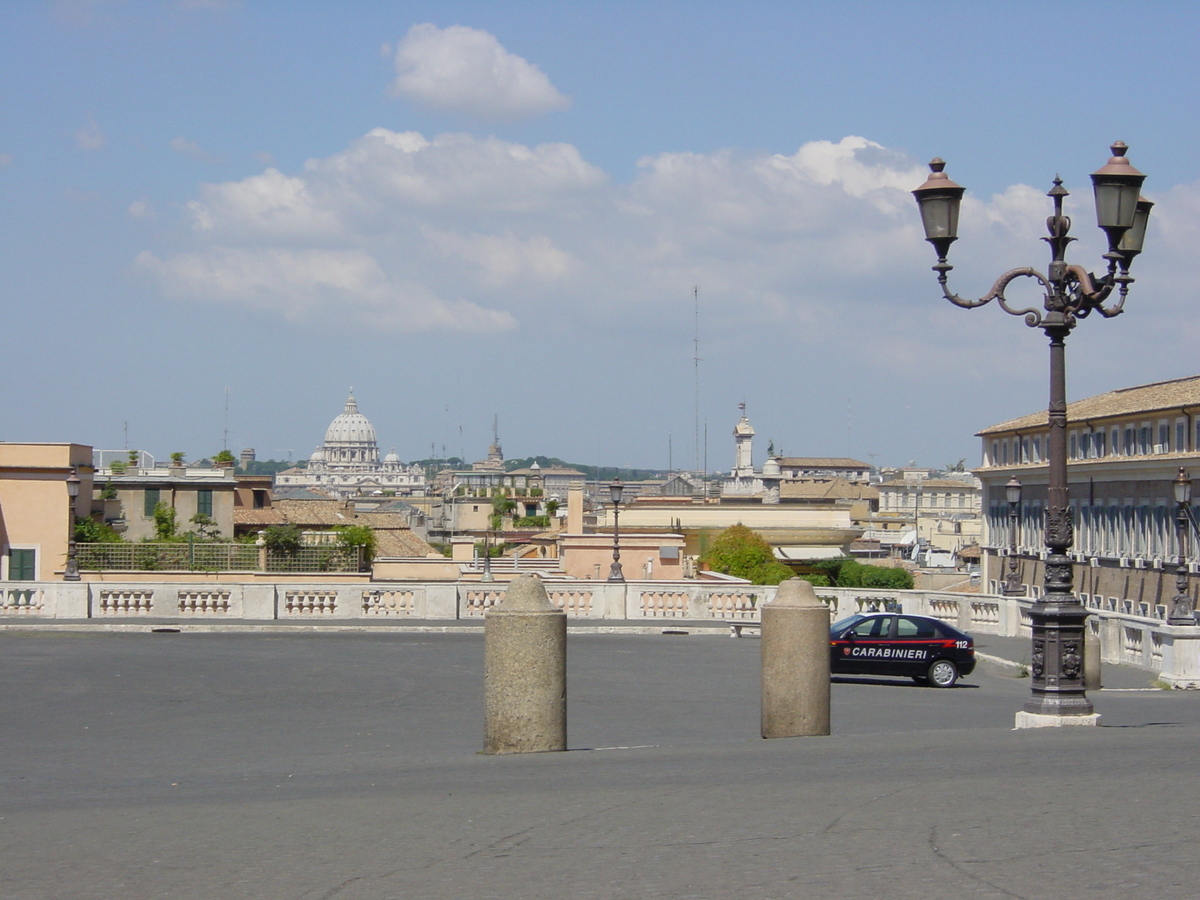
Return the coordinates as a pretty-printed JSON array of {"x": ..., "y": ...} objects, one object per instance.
[
  {"x": 225, "y": 429},
  {"x": 126, "y": 424},
  {"x": 696, "y": 371}
]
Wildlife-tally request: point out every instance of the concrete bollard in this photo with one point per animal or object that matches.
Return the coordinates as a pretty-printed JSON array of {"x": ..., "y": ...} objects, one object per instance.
[
  {"x": 1091, "y": 661},
  {"x": 795, "y": 662},
  {"x": 525, "y": 671}
]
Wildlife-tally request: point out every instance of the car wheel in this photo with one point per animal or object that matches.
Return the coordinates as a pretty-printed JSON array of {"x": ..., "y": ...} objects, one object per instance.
[{"x": 943, "y": 673}]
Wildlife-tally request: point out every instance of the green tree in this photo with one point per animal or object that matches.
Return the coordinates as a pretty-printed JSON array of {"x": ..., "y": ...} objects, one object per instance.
[
  {"x": 816, "y": 579},
  {"x": 207, "y": 528},
  {"x": 358, "y": 536},
  {"x": 283, "y": 540},
  {"x": 91, "y": 531},
  {"x": 501, "y": 507},
  {"x": 743, "y": 553},
  {"x": 353, "y": 537},
  {"x": 166, "y": 525}
]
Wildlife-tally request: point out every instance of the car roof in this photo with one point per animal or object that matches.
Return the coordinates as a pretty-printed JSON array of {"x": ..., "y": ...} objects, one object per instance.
[{"x": 941, "y": 623}]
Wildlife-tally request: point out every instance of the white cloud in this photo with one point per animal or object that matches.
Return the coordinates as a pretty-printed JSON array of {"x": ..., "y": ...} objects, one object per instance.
[
  {"x": 465, "y": 70},
  {"x": 141, "y": 209},
  {"x": 189, "y": 148},
  {"x": 90, "y": 136},
  {"x": 5, "y": 160},
  {"x": 503, "y": 258},
  {"x": 324, "y": 286},
  {"x": 401, "y": 233}
]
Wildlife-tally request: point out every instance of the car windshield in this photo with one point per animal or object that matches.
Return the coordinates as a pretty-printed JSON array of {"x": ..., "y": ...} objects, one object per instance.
[{"x": 841, "y": 625}]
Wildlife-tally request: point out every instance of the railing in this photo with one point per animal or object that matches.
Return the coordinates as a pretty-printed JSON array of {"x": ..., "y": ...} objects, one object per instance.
[
  {"x": 197, "y": 556},
  {"x": 1125, "y": 637},
  {"x": 27, "y": 601}
]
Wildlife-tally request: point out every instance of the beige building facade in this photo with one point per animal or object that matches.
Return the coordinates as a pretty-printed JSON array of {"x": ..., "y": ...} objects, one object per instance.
[
  {"x": 189, "y": 490},
  {"x": 1125, "y": 449},
  {"x": 37, "y": 515}
]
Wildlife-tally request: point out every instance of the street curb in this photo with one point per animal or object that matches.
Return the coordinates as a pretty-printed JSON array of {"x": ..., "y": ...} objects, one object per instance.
[{"x": 1000, "y": 660}]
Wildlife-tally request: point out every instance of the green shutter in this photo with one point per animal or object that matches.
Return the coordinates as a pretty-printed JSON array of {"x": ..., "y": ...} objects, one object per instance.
[
  {"x": 151, "y": 501},
  {"x": 204, "y": 502},
  {"x": 22, "y": 565}
]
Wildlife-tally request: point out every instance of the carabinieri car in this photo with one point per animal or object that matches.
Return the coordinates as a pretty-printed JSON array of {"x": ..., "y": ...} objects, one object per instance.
[{"x": 927, "y": 650}]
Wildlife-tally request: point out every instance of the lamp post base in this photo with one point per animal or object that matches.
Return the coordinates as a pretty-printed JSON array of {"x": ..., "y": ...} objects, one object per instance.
[{"x": 1040, "y": 720}]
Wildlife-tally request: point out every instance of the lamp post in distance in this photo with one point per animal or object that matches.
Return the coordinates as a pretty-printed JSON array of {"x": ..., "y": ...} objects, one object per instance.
[
  {"x": 71, "y": 570},
  {"x": 1182, "y": 608},
  {"x": 1012, "y": 581},
  {"x": 615, "y": 490}
]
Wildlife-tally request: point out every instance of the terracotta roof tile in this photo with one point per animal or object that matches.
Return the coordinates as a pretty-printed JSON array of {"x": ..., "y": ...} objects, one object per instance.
[{"x": 1142, "y": 398}]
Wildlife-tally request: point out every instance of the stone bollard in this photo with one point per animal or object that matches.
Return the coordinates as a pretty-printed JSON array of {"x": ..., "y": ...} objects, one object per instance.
[
  {"x": 525, "y": 671},
  {"x": 1091, "y": 661},
  {"x": 795, "y": 662}
]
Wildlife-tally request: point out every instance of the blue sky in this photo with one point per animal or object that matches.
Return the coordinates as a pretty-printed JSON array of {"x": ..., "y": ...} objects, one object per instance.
[{"x": 468, "y": 210}]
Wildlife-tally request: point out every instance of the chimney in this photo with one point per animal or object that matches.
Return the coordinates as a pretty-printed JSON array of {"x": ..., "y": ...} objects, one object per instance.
[{"x": 575, "y": 508}]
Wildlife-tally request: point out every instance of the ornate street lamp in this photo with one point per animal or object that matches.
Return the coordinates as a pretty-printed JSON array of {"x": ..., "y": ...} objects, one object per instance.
[
  {"x": 487, "y": 575},
  {"x": 1012, "y": 581},
  {"x": 71, "y": 571},
  {"x": 615, "y": 490},
  {"x": 1182, "y": 612},
  {"x": 1071, "y": 293}
]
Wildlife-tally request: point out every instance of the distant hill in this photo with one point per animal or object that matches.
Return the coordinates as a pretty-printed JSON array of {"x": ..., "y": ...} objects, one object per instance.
[
  {"x": 270, "y": 466},
  {"x": 594, "y": 473}
]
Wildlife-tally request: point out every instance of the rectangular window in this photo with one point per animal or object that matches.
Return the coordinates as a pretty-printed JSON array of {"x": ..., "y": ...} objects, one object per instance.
[
  {"x": 1130, "y": 435},
  {"x": 1100, "y": 443},
  {"x": 22, "y": 565},
  {"x": 1144, "y": 440},
  {"x": 204, "y": 502},
  {"x": 150, "y": 501},
  {"x": 1181, "y": 436},
  {"x": 1074, "y": 445},
  {"x": 1164, "y": 437}
]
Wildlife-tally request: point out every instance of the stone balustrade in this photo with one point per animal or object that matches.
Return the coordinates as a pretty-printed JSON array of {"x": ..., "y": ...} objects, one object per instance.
[{"x": 1127, "y": 636}]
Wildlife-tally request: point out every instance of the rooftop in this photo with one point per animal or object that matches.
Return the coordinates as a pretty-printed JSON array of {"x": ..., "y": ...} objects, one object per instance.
[{"x": 1143, "y": 398}]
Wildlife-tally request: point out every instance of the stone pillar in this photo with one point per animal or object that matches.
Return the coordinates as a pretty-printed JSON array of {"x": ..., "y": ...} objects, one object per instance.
[
  {"x": 575, "y": 508},
  {"x": 795, "y": 662},
  {"x": 525, "y": 671}
]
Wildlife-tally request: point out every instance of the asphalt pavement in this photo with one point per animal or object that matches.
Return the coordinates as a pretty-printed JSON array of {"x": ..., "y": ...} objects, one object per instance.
[{"x": 207, "y": 765}]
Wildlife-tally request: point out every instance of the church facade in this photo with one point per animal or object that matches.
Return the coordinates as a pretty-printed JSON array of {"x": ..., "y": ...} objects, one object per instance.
[{"x": 348, "y": 463}]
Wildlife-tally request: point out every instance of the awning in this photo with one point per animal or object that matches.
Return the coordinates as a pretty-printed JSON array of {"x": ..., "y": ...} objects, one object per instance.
[{"x": 801, "y": 553}]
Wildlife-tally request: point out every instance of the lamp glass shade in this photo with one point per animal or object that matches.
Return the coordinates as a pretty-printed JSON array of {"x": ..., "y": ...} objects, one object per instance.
[
  {"x": 616, "y": 489},
  {"x": 1012, "y": 491},
  {"x": 1132, "y": 240},
  {"x": 1183, "y": 487},
  {"x": 1117, "y": 187},
  {"x": 73, "y": 485},
  {"x": 939, "y": 199}
]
